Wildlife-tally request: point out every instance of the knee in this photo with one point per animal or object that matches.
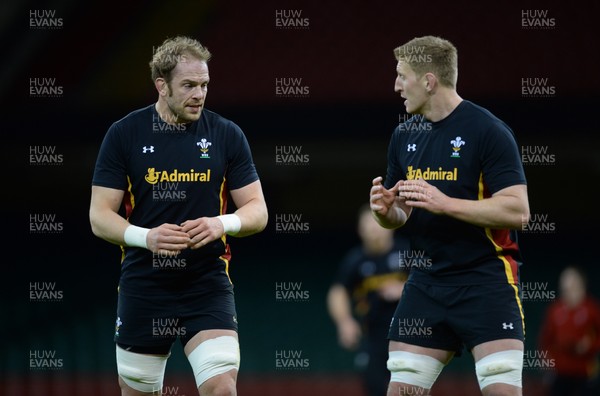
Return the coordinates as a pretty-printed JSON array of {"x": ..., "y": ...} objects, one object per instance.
[
  {"x": 140, "y": 374},
  {"x": 220, "y": 385},
  {"x": 501, "y": 390},
  {"x": 499, "y": 373},
  {"x": 412, "y": 369},
  {"x": 215, "y": 363}
]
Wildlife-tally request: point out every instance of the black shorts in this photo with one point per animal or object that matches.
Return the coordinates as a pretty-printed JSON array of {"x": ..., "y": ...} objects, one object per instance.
[
  {"x": 450, "y": 317},
  {"x": 151, "y": 323}
]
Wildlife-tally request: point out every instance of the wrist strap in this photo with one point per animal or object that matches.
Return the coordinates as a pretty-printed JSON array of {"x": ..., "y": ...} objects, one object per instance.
[
  {"x": 231, "y": 223},
  {"x": 136, "y": 236}
]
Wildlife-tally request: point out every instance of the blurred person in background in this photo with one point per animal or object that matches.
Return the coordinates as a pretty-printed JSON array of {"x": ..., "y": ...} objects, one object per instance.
[
  {"x": 570, "y": 333},
  {"x": 363, "y": 297}
]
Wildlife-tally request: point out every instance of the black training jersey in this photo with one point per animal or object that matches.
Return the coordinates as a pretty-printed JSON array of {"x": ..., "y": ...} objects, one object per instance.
[
  {"x": 170, "y": 174},
  {"x": 362, "y": 274},
  {"x": 470, "y": 154}
]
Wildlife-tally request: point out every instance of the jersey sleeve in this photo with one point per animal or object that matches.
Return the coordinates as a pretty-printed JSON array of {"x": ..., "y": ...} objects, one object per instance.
[
  {"x": 394, "y": 172},
  {"x": 346, "y": 274},
  {"x": 501, "y": 162},
  {"x": 111, "y": 170},
  {"x": 240, "y": 168}
]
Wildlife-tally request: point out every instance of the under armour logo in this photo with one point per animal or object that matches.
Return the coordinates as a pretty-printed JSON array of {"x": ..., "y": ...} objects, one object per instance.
[
  {"x": 506, "y": 326},
  {"x": 411, "y": 147},
  {"x": 147, "y": 149}
]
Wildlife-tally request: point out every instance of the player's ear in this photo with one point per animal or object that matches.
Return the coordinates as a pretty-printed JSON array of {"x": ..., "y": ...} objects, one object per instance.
[
  {"x": 430, "y": 82},
  {"x": 161, "y": 86}
]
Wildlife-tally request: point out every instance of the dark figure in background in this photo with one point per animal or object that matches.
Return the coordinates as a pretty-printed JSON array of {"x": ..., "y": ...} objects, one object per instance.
[{"x": 363, "y": 297}]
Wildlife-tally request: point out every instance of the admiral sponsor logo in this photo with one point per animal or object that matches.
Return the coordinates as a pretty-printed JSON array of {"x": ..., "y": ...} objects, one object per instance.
[
  {"x": 428, "y": 174},
  {"x": 153, "y": 176}
]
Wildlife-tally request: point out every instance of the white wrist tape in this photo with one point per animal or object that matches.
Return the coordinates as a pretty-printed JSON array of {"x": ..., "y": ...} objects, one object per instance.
[
  {"x": 136, "y": 236},
  {"x": 231, "y": 223}
]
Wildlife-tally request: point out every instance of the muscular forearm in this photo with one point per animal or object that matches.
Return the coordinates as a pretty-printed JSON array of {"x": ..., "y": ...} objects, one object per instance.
[
  {"x": 253, "y": 216},
  {"x": 108, "y": 225},
  {"x": 495, "y": 212}
]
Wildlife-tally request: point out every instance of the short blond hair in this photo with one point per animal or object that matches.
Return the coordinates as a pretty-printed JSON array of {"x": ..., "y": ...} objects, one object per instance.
[
  {"x": 171, "y": 52},
  {"x": 431, "y": 54}
]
